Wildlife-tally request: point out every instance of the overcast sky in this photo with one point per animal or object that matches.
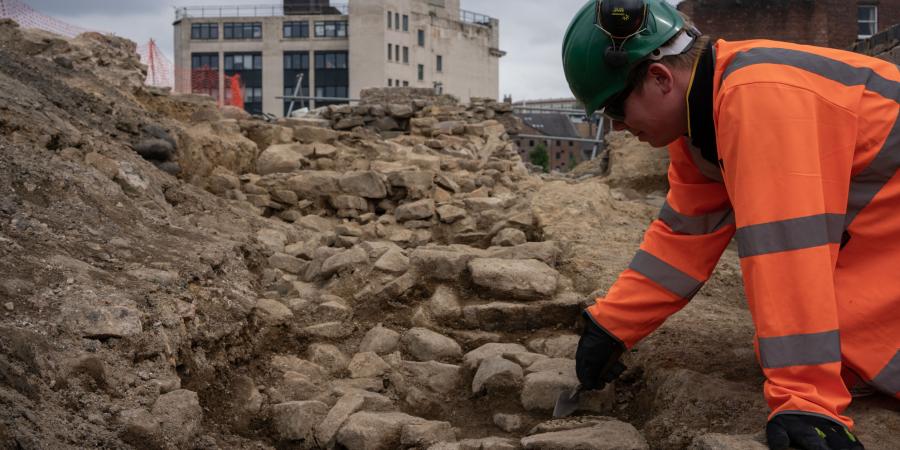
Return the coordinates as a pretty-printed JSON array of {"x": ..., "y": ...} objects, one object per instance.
[{"x": 530, "y": 31}]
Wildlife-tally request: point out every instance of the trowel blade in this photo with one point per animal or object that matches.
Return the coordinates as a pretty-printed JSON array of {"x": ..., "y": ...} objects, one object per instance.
[{"x": 567, "y": 402}]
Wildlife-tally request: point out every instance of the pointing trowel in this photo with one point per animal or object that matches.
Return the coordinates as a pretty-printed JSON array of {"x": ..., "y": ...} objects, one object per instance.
[{"x": 567, "y": 402}]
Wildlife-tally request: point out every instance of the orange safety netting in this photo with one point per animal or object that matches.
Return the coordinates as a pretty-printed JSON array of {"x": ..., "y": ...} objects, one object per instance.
[
  {"x": 161, "y": 72},
  {"x": 205, "y": 80},
  {"x": 27, "y": 17}
]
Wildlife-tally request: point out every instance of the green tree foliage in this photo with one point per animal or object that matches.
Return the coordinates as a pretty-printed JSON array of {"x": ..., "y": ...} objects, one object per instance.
[
  {"x": 572, "y": 162},
  {"x": 539, "y": 156}
]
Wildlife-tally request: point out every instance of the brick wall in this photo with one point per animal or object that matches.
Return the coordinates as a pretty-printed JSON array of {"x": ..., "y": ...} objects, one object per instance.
[{"x": 828, "y": 23}]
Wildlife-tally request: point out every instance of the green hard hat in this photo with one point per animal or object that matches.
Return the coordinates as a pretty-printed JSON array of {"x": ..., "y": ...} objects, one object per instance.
[{"x": 596, "y": 64}]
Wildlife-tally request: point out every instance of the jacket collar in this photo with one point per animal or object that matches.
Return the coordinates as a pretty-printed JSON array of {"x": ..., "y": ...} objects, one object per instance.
[{"x": 701, "y": 128}]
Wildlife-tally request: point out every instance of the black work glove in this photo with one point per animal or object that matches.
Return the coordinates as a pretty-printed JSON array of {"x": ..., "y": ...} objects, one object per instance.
[
  {"x": 597, "y": 356},
  {"x": 809, "y": 433}
]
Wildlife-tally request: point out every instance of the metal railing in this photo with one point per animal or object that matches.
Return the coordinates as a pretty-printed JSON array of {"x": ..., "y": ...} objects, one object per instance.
[
  {"x": 566, "y": 111},
  {"x": 474, "y": 18},
  {"x": 249, "y": 11}
]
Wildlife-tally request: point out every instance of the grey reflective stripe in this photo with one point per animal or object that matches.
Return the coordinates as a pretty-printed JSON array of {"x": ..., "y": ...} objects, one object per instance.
[
  {"x": 866, "y": 185},
  {"x": 665, "y": 275},
  {"x": 888, "y": 380},
  {"x": 800, "y": 350},
  {"x": 820, "y": 65},
  {"x": 695, "y": 225},
  {"x": 791, "y": 234}
]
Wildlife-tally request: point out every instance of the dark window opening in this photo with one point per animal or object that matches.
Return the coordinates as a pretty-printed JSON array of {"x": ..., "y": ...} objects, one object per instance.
[
  {"x": 205, "y": 31},
  {"x": 405, "y": 22},
  {"x": 205, "y": 74},
  {"x": 249, "y": 67},
  {"x": 421, "y": 72},
  {"x": 421, "y": 38},
  {"x": 440, "y": 63},
  {"x": 331, "y": 28},
  {"x": 248, "y": 30},
  {"x": 406, "y": 55},
  {"x": 296, "y": 30},
  {"x": 296, "y": 64},
  {"x": 332, "y": 77}
]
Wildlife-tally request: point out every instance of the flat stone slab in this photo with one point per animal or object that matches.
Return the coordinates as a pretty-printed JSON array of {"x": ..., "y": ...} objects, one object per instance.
[
  {"x": 105, "y": 321},
  {"x": 507, "y": 316},
  {"x": 604, "y": 435},
  {"x": 519, "y": 278}
]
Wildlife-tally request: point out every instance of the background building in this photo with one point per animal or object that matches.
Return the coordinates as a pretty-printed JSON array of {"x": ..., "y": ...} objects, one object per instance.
[
  {"x": 563, "y": 153},
  {"x": 340, "y": 49},
  {"x": 827, "y": 23}
]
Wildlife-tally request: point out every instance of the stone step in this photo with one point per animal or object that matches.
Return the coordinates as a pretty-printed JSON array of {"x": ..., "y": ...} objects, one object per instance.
[{"x": 518, "y": 316}]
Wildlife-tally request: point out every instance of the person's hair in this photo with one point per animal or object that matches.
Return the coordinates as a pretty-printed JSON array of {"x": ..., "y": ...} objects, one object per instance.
[{"x": 683, "y": 61}]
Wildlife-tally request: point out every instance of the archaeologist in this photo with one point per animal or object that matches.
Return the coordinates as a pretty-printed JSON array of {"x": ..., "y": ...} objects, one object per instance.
[{"x": 791, "y": 149}]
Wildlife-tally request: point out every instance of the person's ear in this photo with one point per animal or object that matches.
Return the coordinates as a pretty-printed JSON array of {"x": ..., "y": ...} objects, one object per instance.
[{"x": 661, "y": 77}]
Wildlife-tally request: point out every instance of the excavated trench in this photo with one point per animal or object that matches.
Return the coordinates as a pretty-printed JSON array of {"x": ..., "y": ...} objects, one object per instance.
[{"x": 377, "y": 276}]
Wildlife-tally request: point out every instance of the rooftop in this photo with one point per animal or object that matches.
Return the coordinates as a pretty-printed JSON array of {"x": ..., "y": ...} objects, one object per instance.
[
  {"x": 185, "y": 12},
  {"x": 250, "y": 11}
]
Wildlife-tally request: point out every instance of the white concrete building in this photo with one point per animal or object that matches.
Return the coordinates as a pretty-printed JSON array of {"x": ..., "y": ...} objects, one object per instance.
[{"x": 340, "y": 49}]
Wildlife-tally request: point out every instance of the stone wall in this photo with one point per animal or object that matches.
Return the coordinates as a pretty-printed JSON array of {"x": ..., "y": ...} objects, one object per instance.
[{"x": 394, "y": 111}]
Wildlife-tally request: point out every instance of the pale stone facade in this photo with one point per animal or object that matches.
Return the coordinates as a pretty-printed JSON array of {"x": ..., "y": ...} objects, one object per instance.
[{"x": 420, "y": 33}]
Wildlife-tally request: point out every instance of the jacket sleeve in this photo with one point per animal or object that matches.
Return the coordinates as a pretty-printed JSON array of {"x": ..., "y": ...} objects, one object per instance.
[
  {"x": 787, "y": 158},
  {"x": 678, "y": 253}
]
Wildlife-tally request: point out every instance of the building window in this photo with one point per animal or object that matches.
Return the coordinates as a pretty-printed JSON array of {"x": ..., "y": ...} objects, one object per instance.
[
  {"x": 331, "y": 28},
  {"x": 205, "y": 31},
  {"x": 421, "y": 38},
  {"x": 295, "y": 64},
  {"x": 571, "y": 144},
  {"x": 397, "y": 52},
  {"x": 390, "y": 20},
  {"x": 390, "y": 52},
  {"x": 248, "y": 30},
  {"x": 558, "y": 143},
  {"x": 406, "y": 55},
  {"x": 390, "y": 82},
  {"x": 421, "y": 72},
  {"x": 296, "y": 30},
  {"x": 405, "y": 22},
  {"x": 405, "y": 83},
  {"x": 396, "y": 21},
  {"x": 867, "y": 20},
  {"x": 531, "y": 143},
  {"x": 248, "y": 66},
  {"x": 440, "y": 63},
  {"x": 249, "y": 61},
  {"x": 205, "y": 74},
  {"x": 332, "y": 79}
]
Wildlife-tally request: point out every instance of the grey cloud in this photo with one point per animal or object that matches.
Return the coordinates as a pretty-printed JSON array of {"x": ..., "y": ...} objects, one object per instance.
[{"x": 70, "y": 8}]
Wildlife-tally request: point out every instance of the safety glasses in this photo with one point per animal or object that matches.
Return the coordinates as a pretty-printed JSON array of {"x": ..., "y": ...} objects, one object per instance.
[{"x": 615, "y": 107}]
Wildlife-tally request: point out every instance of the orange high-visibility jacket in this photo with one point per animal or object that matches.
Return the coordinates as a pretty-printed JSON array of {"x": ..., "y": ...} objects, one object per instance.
[{"x": 808, "y": 147}]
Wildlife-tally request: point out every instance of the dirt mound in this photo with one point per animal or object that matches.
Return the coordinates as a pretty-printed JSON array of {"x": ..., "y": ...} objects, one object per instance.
[
  {"x": 628, "y": 164},
  {"x": 172, "y": 278}
]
